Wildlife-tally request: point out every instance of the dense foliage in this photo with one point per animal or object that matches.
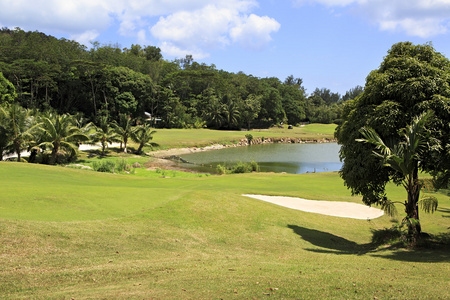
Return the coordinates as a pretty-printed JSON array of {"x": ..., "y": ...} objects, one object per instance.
[
  {"x": 106, "y": 80},
  {"x": 412, "y": 81}
]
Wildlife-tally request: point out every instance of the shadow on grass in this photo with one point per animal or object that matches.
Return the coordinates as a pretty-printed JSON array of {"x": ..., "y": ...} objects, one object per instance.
[
  {"x": 332, "y": 244},
  {"x": 445, "y": 212}
]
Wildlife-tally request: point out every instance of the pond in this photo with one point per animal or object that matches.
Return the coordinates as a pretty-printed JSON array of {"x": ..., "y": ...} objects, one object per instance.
[{"x": 289, "y": 158}]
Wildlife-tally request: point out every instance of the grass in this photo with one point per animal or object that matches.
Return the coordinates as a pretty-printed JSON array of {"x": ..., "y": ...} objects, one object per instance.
[
  {"x": 177, "y": 138},
  {"x": 67, "y": 233}
]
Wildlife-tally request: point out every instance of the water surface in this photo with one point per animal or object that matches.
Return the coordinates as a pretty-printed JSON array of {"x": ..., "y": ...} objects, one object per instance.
[{"x": 289, "y": 158}]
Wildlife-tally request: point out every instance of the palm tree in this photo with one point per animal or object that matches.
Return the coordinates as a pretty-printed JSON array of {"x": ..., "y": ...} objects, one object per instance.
[
  {"x": 60, "y": 133},
  {"x": 231, "y": 112},
  {"x": 403, "y": 157},
  {"x": 105, "y": 134},
  {"x": 143, "y": 135},
  {"x": 17, "y": 125},
  {"x": 123, "y": 130},
  {"x": 214, "y": 111},
  {"x": 4, "y": 133}
]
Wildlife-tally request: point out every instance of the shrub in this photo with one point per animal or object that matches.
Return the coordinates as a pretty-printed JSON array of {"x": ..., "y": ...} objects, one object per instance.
[
  {"x": 106, "y": 166},
  {"x": 249, "y": 138},
  {"x": 238, "y": 168},
  {"x": 221, "y": 169},
  {"x": 61, "y": 158},
  {"x": 122, "y": 165},
  {"x": 254, "y": 167},
  {"x": 241, "y": 168}
]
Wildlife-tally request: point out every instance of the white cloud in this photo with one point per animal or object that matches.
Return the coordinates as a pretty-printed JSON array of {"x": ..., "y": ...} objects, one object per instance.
[
  {"x": 170, "y": 49},
  {"x": 183, "y": 25},
  {"x": 325, "y": 2},
  {"x": 65, "y": 16},
  {"x": 207, "y": 27},
  {"x": 86, "y": 37},
  {"x": 213, "y": 27},
  {"x": 142, "y": 37},
  {"x": 423, "y": 18},
  {"x": 253, "y": 32}
]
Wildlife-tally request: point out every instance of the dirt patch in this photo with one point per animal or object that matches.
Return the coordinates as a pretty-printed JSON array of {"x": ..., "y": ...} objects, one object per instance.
[{"x": 166, "y": 164}]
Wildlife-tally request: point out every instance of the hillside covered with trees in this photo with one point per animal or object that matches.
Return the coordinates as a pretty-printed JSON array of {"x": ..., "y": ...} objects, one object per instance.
[{"x": 59, "y": 75}]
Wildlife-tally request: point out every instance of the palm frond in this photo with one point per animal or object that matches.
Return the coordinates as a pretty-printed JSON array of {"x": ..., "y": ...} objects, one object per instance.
[
  {"x": 372, "y": 137},
  {"x": 389, "y": 207},
  {"x": 429, "y": 204}
]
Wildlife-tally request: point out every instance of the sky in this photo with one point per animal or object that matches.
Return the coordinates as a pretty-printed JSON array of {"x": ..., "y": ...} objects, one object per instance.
[{"x": 331, "y": 44}]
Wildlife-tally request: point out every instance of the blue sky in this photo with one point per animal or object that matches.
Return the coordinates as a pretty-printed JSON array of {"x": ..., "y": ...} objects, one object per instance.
[{"x": 330, "y": 44}]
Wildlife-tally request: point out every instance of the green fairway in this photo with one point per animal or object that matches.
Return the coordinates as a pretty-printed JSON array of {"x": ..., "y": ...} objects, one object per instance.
[
  {"x": 170, "y": 138},
  {"x": 68, "y": 233}
]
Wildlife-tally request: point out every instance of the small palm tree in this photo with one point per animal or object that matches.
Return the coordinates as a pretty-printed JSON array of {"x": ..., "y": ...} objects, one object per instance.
[
  {"x": 17, "y": 125},
  {"x": 231, "y": 112},
  {"x": 214, "y": 112},
  {"x": 403, "y": 157},
  {"x": 104, "y": 134},
  {"x": 4, "y": 132},
  {"x": 59, "y": 132},
  {"x": 124, "y": 130},
  {"x": 143, "y": 136}
]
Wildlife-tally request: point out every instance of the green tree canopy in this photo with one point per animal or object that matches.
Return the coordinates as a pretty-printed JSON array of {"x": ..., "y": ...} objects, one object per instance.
[
  {"x": 7, "y": 90},
  {"x": 412, "y": 80}
]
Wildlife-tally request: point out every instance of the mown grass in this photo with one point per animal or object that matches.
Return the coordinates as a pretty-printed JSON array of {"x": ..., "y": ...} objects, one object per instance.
[
  {"x": 68, "y": 233},
  {"x": 177, "y": 138}
]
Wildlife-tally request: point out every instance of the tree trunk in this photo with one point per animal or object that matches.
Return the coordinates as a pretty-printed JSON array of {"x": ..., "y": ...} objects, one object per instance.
[
  {"x": 412, "y": 205},
  {"x": 139, "y": 150},
  {"x": 54, "y": 154},
  {"x": 103, "y": 147},
  {"x": 17, "y": 149},
  {"x": 33, "y": 155}
]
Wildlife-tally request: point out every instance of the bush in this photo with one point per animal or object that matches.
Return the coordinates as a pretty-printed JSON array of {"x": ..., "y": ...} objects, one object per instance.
[
  {"x": 61, "y": 158},
  {"x": 221, "y": 169},
  {"x": 122, "y": 165},
  {"x": 106, "y": 166},
  {"x": 238, "y": 168},
  {"x": 249, "y": 138}
]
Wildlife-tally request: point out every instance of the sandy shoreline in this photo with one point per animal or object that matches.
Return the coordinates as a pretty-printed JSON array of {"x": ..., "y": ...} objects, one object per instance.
[{"x": 181, "y": 151}]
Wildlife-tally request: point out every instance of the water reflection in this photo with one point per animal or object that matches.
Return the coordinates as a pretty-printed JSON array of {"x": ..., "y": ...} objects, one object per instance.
[{"x": 289, "y": 158}]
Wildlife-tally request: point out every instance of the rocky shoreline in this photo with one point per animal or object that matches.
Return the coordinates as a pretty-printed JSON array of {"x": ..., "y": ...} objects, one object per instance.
[{"x": 171, "y": 153}]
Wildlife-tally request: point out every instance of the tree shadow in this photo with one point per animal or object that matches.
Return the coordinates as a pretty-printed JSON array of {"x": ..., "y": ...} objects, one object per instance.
[
  {"x": 335, "y": 244},
  {"x": 332, "y": 244},
  {"x": 444, "y": 211}
]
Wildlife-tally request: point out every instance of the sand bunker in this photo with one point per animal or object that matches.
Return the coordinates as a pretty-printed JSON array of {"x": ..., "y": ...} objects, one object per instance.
[{"x": 330, "y": 208}]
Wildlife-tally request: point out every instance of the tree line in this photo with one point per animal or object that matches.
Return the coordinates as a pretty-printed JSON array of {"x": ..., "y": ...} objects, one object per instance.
[{"x": 43, "y": 72}]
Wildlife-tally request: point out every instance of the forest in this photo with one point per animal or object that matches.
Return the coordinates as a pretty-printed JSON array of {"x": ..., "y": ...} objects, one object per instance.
[{"x": 43, "y": 73}]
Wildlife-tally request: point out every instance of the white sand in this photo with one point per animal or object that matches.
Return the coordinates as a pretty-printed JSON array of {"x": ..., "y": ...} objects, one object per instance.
[{"x": 330, "y": 208}]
